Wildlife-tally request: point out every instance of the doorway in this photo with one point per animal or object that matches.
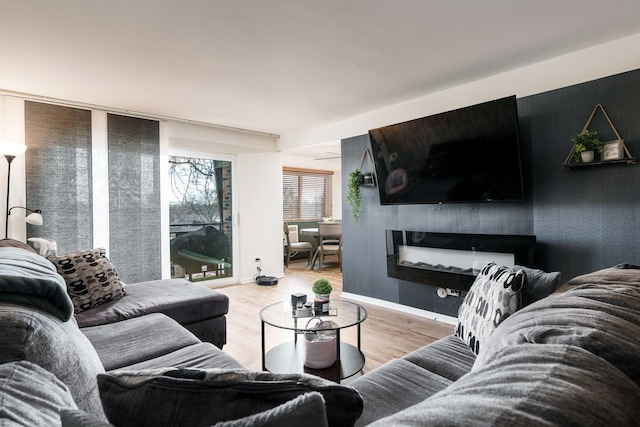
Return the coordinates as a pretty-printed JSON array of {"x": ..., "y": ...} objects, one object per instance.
[{"x": 200, "y": 218}]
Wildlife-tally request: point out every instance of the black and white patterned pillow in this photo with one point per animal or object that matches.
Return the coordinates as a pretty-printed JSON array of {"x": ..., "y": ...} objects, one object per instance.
[
  {"x": 495, "y": 295},
  {"x": 91, "y": 278}
]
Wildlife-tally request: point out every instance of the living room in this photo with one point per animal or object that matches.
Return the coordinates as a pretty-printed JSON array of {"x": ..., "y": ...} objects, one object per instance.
[{"x": 584, "y": 219}]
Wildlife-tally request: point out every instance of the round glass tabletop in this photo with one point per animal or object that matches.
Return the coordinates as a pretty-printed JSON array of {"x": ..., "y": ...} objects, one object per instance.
[{"x": 343, "y": 313}]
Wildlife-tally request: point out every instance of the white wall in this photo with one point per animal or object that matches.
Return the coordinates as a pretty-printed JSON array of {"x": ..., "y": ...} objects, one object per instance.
[
  {"x": 12, "y": 129},
  {"x": 588, "y": 64},
  {"x": 260, "y": 218}
]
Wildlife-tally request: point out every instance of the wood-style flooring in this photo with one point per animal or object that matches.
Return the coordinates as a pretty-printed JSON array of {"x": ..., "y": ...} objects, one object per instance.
[{"x": 386, "y": 334}]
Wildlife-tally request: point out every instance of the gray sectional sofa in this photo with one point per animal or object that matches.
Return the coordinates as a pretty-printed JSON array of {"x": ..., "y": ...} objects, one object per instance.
[
  {"x": 570, "y": 358},
  {"x": 135, "y": 361}
]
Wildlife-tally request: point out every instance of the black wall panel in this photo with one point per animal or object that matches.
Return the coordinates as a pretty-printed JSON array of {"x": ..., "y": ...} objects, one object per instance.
[{"x": 584, "y": 218}]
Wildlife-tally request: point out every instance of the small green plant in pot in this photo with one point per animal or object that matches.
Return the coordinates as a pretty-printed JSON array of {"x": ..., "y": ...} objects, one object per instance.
[
  {"x": 587, "y": 144},
  {"x": 322, "y": 287},
  {"x": 354, "y": 196}
]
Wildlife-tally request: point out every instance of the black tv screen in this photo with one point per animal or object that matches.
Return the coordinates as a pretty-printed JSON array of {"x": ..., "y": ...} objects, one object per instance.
[{"x": 466, "y": 155}]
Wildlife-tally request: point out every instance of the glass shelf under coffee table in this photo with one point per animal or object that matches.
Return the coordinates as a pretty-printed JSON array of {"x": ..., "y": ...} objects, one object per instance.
[{"x": 288, "y": 357}]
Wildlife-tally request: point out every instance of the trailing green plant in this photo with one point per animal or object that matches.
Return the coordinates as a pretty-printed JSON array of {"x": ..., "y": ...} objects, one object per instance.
[
  {"x": 354, "y": 196},
  {"x": 587, "y": 141},
  {"x": 321, "y": 287}
]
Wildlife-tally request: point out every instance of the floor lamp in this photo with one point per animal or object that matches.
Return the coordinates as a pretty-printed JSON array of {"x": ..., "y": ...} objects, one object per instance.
[{"x": 10, "y": 150}]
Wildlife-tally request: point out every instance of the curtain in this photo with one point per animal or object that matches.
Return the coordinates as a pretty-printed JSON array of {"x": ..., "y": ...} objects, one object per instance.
[
  {"x": 134, "y": 197},
  {"x": 59, "y": 182}
]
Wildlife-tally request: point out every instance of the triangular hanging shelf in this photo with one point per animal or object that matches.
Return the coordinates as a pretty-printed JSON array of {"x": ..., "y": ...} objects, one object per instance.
[
  {"x": 368, "y": 175},
  {"x": 615, "y": 151}
]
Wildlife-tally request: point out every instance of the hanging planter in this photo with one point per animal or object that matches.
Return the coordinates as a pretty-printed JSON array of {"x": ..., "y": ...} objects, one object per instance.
[
  {"x": 363, "y": 176},
  {"x": 354, "y": 196}
]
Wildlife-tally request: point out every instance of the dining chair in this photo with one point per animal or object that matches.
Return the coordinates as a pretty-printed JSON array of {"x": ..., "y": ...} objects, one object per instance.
[
  {"x": 293, "y": 246},
  {"x": 329, "y": 242}
]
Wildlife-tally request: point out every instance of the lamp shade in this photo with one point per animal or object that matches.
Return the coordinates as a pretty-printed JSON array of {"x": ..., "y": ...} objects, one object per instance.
[
  {"x": 34, "y": 218},
  {"x": 10, "y": 148}
]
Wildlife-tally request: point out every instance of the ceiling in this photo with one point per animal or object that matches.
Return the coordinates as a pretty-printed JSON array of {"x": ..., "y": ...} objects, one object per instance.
[{"x": 281, "y": 66}]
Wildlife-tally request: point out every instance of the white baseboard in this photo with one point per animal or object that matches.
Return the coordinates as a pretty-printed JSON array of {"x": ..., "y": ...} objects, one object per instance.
[{"x": 402, "y": 308}]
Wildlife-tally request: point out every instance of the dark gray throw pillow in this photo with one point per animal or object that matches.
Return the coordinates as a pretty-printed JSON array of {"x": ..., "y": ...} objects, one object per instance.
[
  {"x": 306, "y": 410},
  {"x": 205, "y": 397},
  {"x": 78, "y": 418},
  {"x": 540, "y": 284}
]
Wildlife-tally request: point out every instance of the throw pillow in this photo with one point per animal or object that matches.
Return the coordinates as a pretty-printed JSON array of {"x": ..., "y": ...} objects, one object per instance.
[
  {"x": 140, "y": 397},
  {"x": 91, "y": 278},
  {"x": 31, "y": 395},
  {"x": 306, "y": 410},
  {"x": 495, "y": 294},
  {"x": 540, "y": 284}
]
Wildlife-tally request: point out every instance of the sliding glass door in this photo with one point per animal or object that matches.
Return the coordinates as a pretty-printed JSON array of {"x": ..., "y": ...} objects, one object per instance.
[{"x": 200, "y": 215}]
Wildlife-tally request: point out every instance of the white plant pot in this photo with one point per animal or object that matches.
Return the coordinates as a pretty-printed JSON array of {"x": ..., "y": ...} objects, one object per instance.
[{"x": 587, "y": 156}]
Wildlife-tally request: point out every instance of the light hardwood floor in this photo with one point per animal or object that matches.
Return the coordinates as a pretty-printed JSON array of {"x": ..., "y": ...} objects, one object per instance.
[{"x": 386, "y": 333}]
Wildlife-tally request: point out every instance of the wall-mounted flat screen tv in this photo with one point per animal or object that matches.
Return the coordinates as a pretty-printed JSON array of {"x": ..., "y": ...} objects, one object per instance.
[{"x": 471, "y": 154}]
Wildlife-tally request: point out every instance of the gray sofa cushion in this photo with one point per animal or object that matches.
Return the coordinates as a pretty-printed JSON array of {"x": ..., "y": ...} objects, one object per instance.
[
  {"x": 448, "y": 357},
  {"x": 31, "y": 396},
  {"x": 183, "y": 301},
  {"x": 28, "y": 279},
  {"x": 59, "y": 347},
  {"x": 197, "y": 356},
  {"x": 135, "y": 340},
  {"x": 601, "y": 318},
  {"x": 394, "y": 386},
  {"x": 209, "y": 396},
  {"x": 532, "y": 385}
]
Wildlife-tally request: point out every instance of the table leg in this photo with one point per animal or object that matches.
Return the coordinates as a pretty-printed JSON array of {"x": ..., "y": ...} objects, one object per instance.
[
  {"x": 338, "y": 363},
  {"x": 264, "y": 367}
]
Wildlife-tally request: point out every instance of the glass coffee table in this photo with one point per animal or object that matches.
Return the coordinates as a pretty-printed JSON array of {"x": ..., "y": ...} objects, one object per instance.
[{"x": 289, "y": 356}]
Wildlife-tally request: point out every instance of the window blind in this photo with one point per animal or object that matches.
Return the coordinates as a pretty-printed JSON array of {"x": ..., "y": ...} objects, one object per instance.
[
  {"x": 307, "y": 194},
  {"x": 59, "y": 183},
  {"x": 134, "y": 197}
]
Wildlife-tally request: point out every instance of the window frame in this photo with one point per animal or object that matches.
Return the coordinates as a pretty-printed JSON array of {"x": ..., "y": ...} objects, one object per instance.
[{"x": 327, "y": 191}]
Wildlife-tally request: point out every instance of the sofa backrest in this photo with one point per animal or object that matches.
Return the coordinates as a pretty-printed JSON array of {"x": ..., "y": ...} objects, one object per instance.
[
  {"x": 37, "y": 325},
  {"x": 57, "y": 346}
]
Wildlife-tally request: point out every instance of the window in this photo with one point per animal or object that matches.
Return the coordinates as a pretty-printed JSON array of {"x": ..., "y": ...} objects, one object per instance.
[
  {"x": 307, "y": 194},
  {"x": 200, "y": 218}
]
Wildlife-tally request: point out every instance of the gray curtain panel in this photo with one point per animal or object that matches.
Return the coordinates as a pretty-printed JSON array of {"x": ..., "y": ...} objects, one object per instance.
[
  {"x": 134, "y": 198},
  {"x": 58, "y": 165}
]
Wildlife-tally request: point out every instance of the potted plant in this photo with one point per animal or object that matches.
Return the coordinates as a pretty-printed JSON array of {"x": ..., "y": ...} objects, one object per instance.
[
  {"x": 322, "y": 288},
  {"x": 354, "y": 196},
  {"x": 586, "y": 145}
]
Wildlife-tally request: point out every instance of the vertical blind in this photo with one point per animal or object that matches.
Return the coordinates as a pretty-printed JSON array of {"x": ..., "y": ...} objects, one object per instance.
[
  {"x": 307, "y": 194},
  {"x": 59, "y": 180},
  {"x": 134, "y": 197}
]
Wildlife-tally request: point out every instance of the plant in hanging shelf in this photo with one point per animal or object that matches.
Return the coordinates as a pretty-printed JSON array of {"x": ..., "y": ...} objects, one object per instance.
[
  {"x": 367, "y": 180},
  {"x": 354, "y": 196},
  {"x": 586, "y": 145}
]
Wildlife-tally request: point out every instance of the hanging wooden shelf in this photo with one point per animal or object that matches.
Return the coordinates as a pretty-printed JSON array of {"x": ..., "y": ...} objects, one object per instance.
[{"x": 616, "y": 151}]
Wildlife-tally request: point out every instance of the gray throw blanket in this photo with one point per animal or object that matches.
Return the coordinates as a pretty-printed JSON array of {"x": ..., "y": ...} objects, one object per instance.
[{"x": 28, "y": 279}]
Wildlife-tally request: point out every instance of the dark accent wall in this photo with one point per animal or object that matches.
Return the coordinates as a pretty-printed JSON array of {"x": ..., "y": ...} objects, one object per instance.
[{"x": 584, "y": 218}]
